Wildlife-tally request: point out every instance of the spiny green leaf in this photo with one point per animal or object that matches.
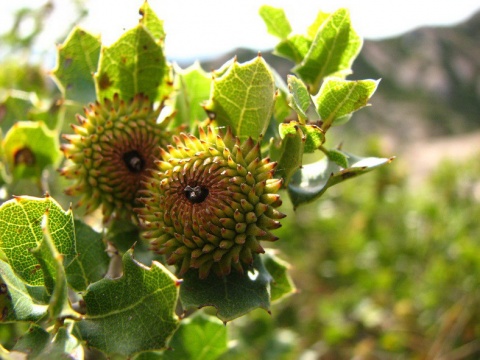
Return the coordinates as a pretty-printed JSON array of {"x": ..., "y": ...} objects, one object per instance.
[
  {"x": 282, "y": 284},
  {"x": 233, "y": 295},
  {"x": 77, "y": 61},
  {"x": 21, "y": 231},
  {"x": 312, "y": 180},
  {"x": 33, "y": 342},
  {"x": 151, "y": 21},
  {"x": 51, "y": 262},
  {"x": 15, "y": 106},
  {"x": 276, "y": 21},
  {"x": 92, "y": 261},
  {"x": 133, "y": 313},
  {"x": 29, "y": 147},
  {"x": 319, "y": 20},
  {"x": 134, "y": 64},
  {"x": 301, "y": 101},
  {"x": 243, "y": 98},
  {"x": 199, "y": 337},
  {"x": 314, "y": 136},
  {"x": 192, "y": 87},
  {"x": 62, "y": 345},
  {"x": 290, "y": 154},
  {"x": 39, "y": 344},
  {"x": 294, "y": 48},
  {"x": 16, "y": 303},
  {"x": 332, "y": 52},
  {"x": 338, "y": 98}
]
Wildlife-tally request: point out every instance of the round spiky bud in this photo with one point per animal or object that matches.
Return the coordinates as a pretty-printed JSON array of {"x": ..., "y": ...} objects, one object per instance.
[
  {"x": 112, "y": 149},
  {"x": 210, "y": 203}
]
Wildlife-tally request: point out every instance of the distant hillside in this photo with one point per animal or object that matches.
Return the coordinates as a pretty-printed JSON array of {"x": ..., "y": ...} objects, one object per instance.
[{"x": 430, "y": 82}]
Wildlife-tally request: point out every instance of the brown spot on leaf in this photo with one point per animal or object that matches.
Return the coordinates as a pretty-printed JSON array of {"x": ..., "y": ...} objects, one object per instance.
[
  {"x": 104, "y": 81},
  {"x": 3, "y": 112},
  {"x": 24, "y": 156},
  {"x": 3, "y": 288}
]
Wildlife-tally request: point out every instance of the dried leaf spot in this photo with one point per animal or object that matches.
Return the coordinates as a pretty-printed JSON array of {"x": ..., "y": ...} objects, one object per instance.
[
  {"x": 68, "y": 61},
  {"x": 104, "y": 81},
  {"x": 24, "y": 156},
  {"x": 3, "y": 288}
]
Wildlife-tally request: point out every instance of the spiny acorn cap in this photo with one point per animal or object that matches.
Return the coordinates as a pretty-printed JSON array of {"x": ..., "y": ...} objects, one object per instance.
[
  {"x": 210, "y": 203},
  {"x": 114, "y": 147}
]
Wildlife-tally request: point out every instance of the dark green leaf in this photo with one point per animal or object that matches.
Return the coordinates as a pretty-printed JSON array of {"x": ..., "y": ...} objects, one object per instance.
[
  {"x": 332, "y": 52},
  {"x": 134, "y": 64},
  {"x": 33, "y": 342},
  {"x": 77, "y": 61},
  {"x": 312, "y": 180},
  {"x": 92, "y": 261},
  {"x": 133, "y": 313},
  {"x": 233, "y": 295},
  {"x": 39, "y": 344},
  {"x": 243, "y": 97},
  {"x": 276, "y": 21},
  {"x": 16, "y": 303},
  {"x": 199, "y": 337},
  {"x": 29, "y": 147},
  {"x": 282, "y": 284}
]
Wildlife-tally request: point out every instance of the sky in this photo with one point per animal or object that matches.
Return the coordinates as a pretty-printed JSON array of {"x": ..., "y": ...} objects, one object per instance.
[{"x": 207, "y": 28}]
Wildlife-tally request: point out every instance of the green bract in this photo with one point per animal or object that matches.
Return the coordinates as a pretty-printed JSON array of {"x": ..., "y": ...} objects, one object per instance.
[{"x": 210, "y": 203}]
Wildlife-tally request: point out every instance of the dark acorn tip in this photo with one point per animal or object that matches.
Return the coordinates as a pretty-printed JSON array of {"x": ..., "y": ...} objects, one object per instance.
[{"x": 196, "y": 194}]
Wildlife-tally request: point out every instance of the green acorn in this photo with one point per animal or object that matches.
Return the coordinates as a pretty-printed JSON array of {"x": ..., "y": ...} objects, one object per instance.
[
  {"x": 210, "y": 203},
  {"x": 112, "y": 149}
]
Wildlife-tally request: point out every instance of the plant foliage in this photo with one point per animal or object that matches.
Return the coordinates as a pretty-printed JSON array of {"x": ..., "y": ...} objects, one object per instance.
[{"x": 90, "y": 282}]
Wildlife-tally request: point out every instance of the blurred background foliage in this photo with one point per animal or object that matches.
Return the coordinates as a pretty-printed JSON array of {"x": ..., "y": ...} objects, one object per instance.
[{"x": 387, "y": 265}]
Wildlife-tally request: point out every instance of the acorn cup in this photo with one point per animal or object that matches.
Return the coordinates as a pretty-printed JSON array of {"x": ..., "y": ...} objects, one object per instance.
[
  {"x": 113, "y": 148},
  {"x": 210, "y": 202}
]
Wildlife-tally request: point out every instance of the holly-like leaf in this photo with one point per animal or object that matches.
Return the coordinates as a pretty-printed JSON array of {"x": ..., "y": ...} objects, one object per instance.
[
  {"x": 21, "y": 231},
  {"x": 51, "y": 262},
  {"x": 314, "y": 136},
  {"x": 233, "y": 295},
  {"x": 312, "y": 180},
  {"x": 15, "y": 106},
  {"x": 333, "y": 50},
  {"x": 301, "y": 101},
  {"x": 243, "y": 97},
  {"x": 39, "y": 344},
  {"x": 338, "y": 98},
  {"x": 192, "y": 86},
  {"x": 16, "y": 303},
  {"x": 294, "y": 48},
  {"x": 77, "y": 61},
  {"x": 151, "y": 21},
  {"x": 282, "y": 284},
  {"x": 33, "y": 342},
  {"x": 290, "y": 154},
  {"x": 199, "y": 337},
  {"x": 29, "y": 147},
  {"x": 276, "y": 21},
  {"x": 134, "y": 64},
  {"x": 133, "y": 313},
  {"x": 92, "y": 261}
]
